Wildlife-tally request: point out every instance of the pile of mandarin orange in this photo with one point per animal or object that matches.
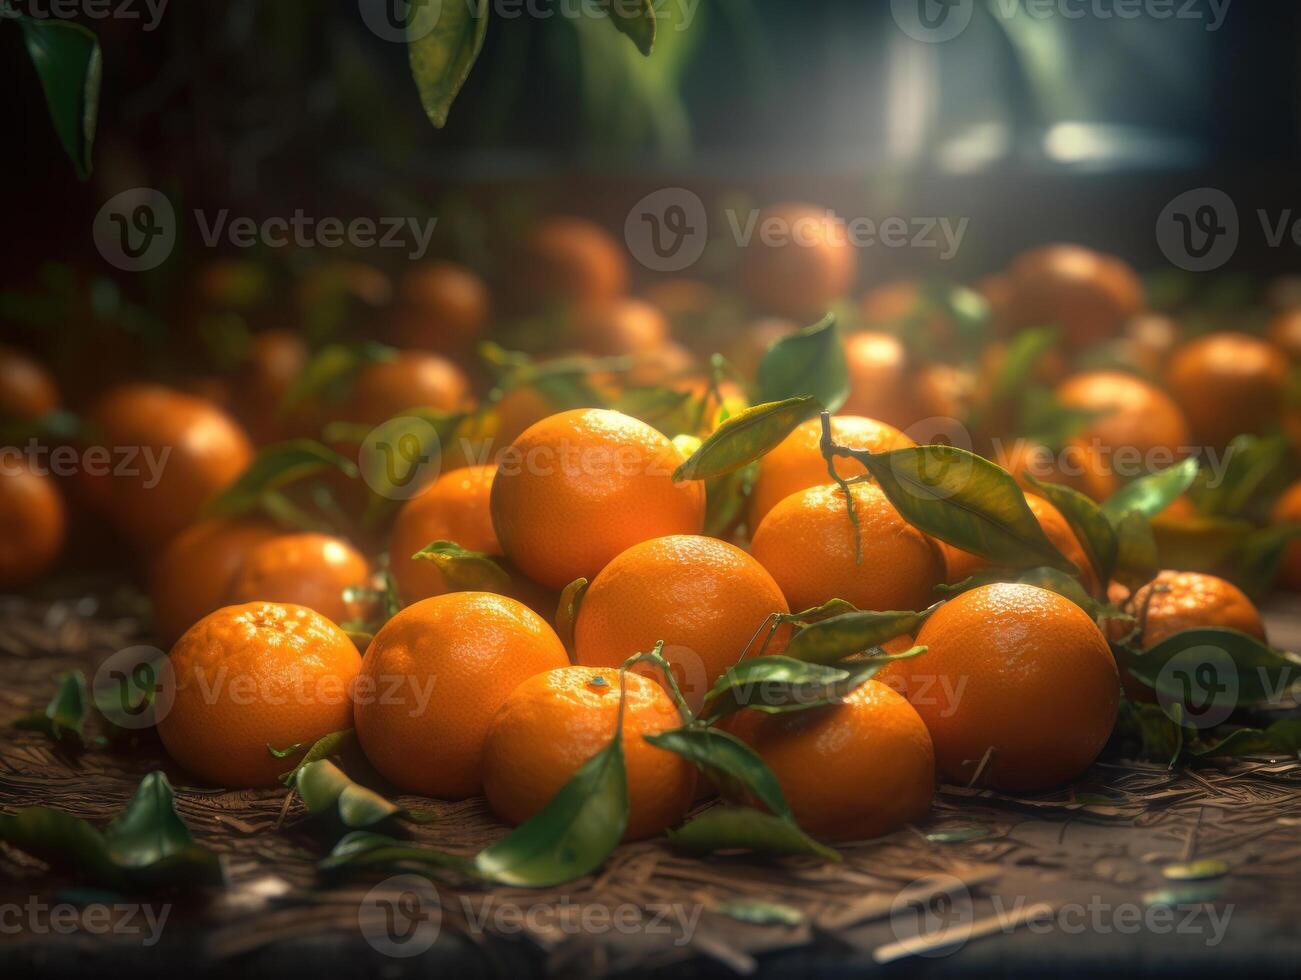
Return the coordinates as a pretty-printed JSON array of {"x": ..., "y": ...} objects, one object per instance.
[{"x": 458, "y": 693}]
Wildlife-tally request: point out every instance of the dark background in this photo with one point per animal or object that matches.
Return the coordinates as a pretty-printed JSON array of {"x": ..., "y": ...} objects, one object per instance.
[{"x": 263, "y": 107}]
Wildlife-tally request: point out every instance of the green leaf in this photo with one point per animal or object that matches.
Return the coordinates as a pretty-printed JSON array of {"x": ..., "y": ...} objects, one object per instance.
[
  {"x": 735, "y": 768},
  {"x": 1258, "y": 556},
  {"x": 567, "y": 610},
  {"x": 636, "y": 19},
  {"x": 444, "y": 40},
  {"x": 1283, "y": 737},
  {"x": 65, "y": 714},
  {"x": 1250, "y": 463},
  {"x": 1203, "y": 870},
  {"x": 364, "y": 848},
  {"x": 67, "y": 59},
  {"x": 464, "y": 570},
  {"x": 745, "y": 437},
  {"x": 728, "y": 828},
  {"x": 1095, "y": 532},
  {"x": 725, "y": 499},
  {"x": 325, "y": 789},
  {"x": 1137, "y": 558},
  {"x": 966, "y": 501},
  {"x": 146, "y": 846},
  {"x": 1151, "y": 494},
  {"x": 1018, "y": 364},
  {"x": 274, "y": 468},
  {"x": 1064, "y": 585},
  {"x": 323, "y": 747},
  {"x": 760, "y": 913},
  {"x": 811, "y": 362},
  {"x": 573, "y": 834},
  {"x": 330, "y": 373},
  {"x": 1228, "y": 668},
  {"x": 829, "y": 640}
]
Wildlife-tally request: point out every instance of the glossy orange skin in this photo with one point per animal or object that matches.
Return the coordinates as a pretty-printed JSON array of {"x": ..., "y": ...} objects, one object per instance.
[
  {"x": 1138, "y": 415},
  {"x": 1020, "y": 671},
  {"x": 806, "y": 264},
  {"x": 879, "y": 382},
  {"x": 1177, "y": 601},
  {"x": 455, "y": 507},
  {"x": 205, "y": 452},
  {"x": 796, "y": 462},
  {"x": 443, "y": 306},
  {"x": 254, "y": 675},
  {"x": 1087, "y": 294},
  {"x": 1229, "y": 384},
  {"x": 413, "y": 379},
  {"x": 579, "y": 487},
  {"x": 192, "y": 576},
  {"x": 1287, "y": 510},
  {"x": 705, "y": 598},
  {"x": 807, "y": 544},
  {"x": 33, "y": 524},
  {"x": 27, "y": 391},
  {"x": 963, "y": 564},
  {"x": 556, "y": 721},
  {"x": 623, "y": 326},
  {"x": 849, "y": 771},
  {"x": 434, "y": 677},
  {"x": 306, "y": 569},
  {"x": 570, "y": 262}
]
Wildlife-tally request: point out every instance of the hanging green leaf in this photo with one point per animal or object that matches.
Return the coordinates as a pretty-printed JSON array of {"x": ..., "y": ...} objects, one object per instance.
[
  {"x": 1137, "y": 558},
  {"x": 464, "y": 570},
  {"x": 966, "y": 501},
  {"x": 65, "y": 715},
  {"x": 809, "y": 363},
  {"x": 728, "y": 828},
  {"x": 745, "y": 437},
  {"x": 635, "y": 18},
  {"x": 444, "y": 40},
  {"x": 67, "y": 60}
]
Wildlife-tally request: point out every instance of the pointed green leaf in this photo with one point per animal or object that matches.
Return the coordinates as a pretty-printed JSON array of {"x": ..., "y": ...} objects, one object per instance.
[
  {"x": 1149, "y": 495},
  {"x": 811, "y": 362},
  {"x": 745, "y": 437},
  {"x": 829, "y": 640},
  {"x": 1283, "y": 737},
  {"x": 636, "y": 19},
  {"x": 274, "y": 468},
  {"x": 727, "y": 828},
  {"x": 66, "y": 713},
  {"x": 444, "y": 40},
  {"x": 464, "y": 570},
  {"x": 966, "y": 501},
  {"x": 1214, "y": 668},
  {"x": 1095, "y": 532},
  {"x": 67, "y": 60},
  {"x": 323, "y": 747},
  {"x": 733, "y": 766}
]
